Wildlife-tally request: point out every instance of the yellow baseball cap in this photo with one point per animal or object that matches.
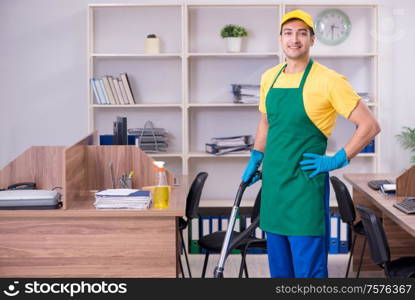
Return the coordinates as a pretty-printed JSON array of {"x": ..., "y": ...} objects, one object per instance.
[{"x": 298, "y": 14}]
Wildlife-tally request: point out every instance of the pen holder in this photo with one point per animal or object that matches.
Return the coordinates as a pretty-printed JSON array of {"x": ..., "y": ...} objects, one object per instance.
[
  {"x": 129, "y": 183},
  {"x": 126, "y": 183}
]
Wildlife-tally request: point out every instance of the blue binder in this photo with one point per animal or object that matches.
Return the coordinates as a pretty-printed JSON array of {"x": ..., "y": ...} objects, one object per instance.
[
  {"x": 344, "y": 237},
  {"x": 334, "y": 234}
]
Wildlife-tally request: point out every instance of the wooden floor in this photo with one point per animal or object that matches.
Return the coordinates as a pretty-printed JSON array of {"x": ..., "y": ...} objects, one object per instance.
[{"x": 258, "y": 266}]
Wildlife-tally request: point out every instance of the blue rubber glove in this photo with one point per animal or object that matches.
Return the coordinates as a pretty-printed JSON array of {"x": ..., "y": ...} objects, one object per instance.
[
  {"x": 324, "y": 163},
  {"x": 253, "y": 165}
]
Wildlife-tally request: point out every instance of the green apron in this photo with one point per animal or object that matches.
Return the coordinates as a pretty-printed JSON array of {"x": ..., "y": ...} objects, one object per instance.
[{"x": 292, "y": 204}]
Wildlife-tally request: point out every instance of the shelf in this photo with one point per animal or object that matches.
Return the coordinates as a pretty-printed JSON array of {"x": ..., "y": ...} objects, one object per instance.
[
  {"x": 201, "y": 154},
  {"x": 218, "y": 104},
  {"x": 109, "y": 5},
  {"x": 155, "y": 105},
  {"x": 160, "y": 55},
  {"x": 208, "y": 4},
  {"x": 171, "y": 154},
  {"x": 245, "y": 54},
  {"x": 325, "y": 5}
]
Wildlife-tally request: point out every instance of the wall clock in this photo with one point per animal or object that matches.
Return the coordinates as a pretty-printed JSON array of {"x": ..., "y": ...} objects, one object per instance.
[{"x": 332, "y": 26}]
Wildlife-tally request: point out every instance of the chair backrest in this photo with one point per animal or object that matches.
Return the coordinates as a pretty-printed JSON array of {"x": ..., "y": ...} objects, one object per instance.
[
  {"x": 257, "y": 206},
  {"x": 194, "y": 195},
  {"x": 378, "y": 244},
  {"x": 344, "y": 200}
]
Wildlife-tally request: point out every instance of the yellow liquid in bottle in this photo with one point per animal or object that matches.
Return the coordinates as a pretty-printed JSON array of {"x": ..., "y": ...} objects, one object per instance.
[{"x": 161, "y": 197}]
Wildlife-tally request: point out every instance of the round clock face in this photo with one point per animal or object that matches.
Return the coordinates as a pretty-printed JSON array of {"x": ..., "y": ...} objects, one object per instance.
[{"x": 332, "y": 27}]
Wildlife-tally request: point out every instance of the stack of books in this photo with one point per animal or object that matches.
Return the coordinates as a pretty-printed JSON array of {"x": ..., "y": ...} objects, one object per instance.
[
  {"x": 108, "y": 90},
  {"x": 150, "y": 139},
  {"x": 123, "y": 199},
  {"x": 245, "y": 93},
  {"x": 231, "y": 144}
]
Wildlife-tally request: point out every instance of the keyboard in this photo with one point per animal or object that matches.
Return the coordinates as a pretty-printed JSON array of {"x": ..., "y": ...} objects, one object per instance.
[
  {"x": 376, "y": 184},
  {"x": 407, "y": 205}
]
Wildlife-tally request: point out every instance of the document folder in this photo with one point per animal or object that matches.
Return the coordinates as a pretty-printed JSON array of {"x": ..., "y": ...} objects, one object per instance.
[{"x": 334, "y": 235}]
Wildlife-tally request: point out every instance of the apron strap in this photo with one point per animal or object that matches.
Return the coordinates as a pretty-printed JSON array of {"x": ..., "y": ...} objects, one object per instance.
[
  {"x": 303, "y": 79},
  {"x": 278, "y": 75},
  {"x": 307, "y": 70}
]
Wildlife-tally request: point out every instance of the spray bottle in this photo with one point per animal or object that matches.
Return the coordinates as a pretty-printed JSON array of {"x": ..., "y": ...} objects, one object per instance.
[{"x": 161, "y": 190}]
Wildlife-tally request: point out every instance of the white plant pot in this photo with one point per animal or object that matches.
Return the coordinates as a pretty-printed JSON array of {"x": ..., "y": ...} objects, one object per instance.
[
  {"x": 234, "y": 44},
  {"x": 152, "y": 45}
]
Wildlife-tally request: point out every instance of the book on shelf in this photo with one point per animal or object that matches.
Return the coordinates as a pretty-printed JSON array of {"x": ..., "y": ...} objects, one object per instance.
[
  {"x": 108, "y": 90},
  {"x": 117, "y": 90},
  {"x": 97, "y": 95},
  {"x": 123, "y": 92},
  {"x": 127, "y": 85},
  {"x": 114, "y": 92},
  {"x": 103, "y": 91},
  {"x": 101, "y": 95}
]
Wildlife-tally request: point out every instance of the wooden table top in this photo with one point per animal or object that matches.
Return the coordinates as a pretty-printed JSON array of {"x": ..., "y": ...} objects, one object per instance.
[
  {"x": 382, "y": 201},
  {"x": 85, "y": 208}
]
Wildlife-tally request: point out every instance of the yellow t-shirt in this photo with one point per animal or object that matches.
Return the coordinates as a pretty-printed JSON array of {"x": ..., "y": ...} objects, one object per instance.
[{"x": 325, "y": 94}]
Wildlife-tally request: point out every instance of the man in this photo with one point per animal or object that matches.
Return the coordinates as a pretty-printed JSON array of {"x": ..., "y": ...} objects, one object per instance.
[{"x": 299, "y": 103}]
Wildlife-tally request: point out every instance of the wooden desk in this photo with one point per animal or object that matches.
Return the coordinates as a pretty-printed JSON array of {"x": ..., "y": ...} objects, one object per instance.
[
  {"x": 77, "y": 240},
  {"x": 84, "y": 242},
  {"x": 399, "y": 227}
]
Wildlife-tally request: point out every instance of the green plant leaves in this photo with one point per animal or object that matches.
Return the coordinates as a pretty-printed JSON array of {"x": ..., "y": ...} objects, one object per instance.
[
  {"x": 407, "y": 140},
  {"x": 232, "y": 30}
]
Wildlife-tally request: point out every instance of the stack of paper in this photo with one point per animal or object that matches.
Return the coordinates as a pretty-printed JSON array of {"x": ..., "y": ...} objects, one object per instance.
[
  {"x": 231, "y": 144},
  {"x": 245, "y": 93},
  {"x": 123, "y": 199}
]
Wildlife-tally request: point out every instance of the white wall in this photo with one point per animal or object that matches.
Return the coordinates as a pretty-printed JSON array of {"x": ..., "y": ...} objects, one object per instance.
[{"x": 43, "y": 74}]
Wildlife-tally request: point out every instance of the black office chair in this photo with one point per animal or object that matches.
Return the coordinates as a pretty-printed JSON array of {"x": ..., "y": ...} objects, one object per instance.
[
  {"x": 348, "y": 215},
  {"x": 403, "y": 267},
  {"x": 212, "y": 243},
  {"x": 192, "y": 205}
]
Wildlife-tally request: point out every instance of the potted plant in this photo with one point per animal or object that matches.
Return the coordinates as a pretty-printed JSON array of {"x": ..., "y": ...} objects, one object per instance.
[
  {"x": 233, "y": 34},
  {"x": 152, "y": 44},
  {"x": 407, "y": 140}
]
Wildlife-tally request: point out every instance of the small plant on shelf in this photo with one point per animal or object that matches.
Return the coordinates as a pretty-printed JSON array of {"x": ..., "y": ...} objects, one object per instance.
[{"x": 233, "y": 34}]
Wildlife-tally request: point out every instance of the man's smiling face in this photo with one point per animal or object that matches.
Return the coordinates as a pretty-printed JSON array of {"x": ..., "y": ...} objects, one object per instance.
[{"x": 296, "y": 39}]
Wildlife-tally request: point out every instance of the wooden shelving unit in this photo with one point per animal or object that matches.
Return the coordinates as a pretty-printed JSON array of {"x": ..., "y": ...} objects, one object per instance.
[{"x": 186, "y": 89}]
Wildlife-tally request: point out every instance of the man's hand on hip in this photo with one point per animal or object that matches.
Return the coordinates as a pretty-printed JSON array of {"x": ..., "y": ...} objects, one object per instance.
[{"x": 324, "y": 163}]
